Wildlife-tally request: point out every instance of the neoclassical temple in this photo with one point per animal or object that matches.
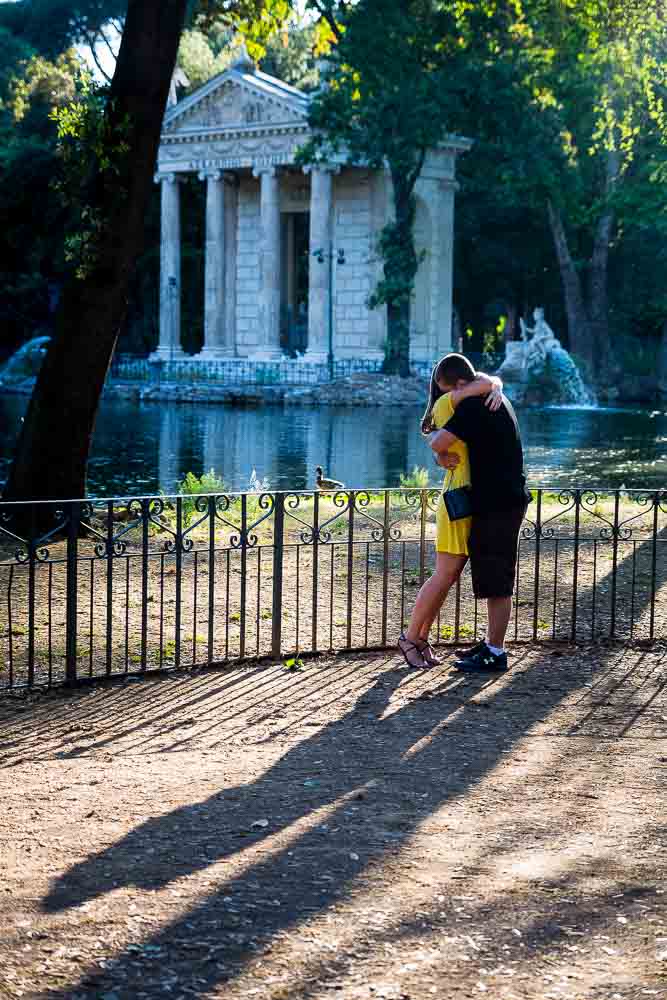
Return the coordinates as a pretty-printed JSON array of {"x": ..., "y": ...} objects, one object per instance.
[{"x": 291, "y": 252}]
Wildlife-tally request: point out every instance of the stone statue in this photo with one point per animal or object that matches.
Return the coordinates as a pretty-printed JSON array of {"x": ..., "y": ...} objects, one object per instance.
[
  {"x": 537, "y": 369},
  {"x": 543, "y": 340}
]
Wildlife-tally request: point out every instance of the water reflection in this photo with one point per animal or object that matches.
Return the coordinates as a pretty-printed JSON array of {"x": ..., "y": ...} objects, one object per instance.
[{"x": 139, "y": 448}]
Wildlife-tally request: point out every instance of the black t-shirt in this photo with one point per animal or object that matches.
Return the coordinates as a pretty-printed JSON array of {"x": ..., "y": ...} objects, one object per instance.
[{"x": 496, "y": 455}]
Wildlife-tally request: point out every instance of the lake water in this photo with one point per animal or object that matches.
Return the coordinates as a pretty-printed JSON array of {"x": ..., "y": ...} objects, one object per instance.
[{"x": 141, "y": 448}]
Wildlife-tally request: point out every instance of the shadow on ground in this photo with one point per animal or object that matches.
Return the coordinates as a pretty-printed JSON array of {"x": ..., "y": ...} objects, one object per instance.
[{"x": 396, "y": 824}]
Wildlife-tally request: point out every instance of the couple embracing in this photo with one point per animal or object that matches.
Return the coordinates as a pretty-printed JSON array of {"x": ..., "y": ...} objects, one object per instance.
[{"x": 474, "y": 434}]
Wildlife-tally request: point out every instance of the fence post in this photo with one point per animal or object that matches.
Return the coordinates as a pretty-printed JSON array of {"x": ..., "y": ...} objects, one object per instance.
[
  {"x": 575, "y": 563},
  {"x": 277, "y": 598},
  {"x": 614, "y": 565},
  {"x": 536, "y": 586},
  {"x": 72, "y": 591}
]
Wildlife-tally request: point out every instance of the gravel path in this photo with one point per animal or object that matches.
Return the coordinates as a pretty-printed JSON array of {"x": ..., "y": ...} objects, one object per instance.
[{"x": 354, "y": 829}]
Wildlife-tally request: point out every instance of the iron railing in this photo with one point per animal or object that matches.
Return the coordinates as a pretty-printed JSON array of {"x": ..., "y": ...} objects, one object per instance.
[
  {"x": 108, "y": 587},
  {"x": 237, "y": 371}
]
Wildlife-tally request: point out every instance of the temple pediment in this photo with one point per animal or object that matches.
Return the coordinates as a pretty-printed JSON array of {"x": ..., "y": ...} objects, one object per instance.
[{"x": 239, "y": 99}]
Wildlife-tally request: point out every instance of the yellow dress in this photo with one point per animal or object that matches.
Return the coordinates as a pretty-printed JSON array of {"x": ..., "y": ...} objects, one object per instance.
[{"x": 451, "y": 536}]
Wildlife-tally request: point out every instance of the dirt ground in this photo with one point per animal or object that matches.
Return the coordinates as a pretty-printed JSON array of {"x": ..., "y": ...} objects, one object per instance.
[{"x": 354, "y": 829}]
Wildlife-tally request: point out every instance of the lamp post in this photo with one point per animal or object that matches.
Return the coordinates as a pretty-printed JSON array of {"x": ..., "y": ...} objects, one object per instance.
[{"x": 330, "y": 256}]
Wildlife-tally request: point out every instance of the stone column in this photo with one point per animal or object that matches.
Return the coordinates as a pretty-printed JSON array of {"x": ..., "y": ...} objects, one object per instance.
[
  {"x": 231, "y": 243},
  {"x": 269, "y": 265},
  {"x": 169, "y": 348},
  {"x": 215, "y": 340},
  {"x": 320, "y": 266},
  {"x": 444, "y": 265}
]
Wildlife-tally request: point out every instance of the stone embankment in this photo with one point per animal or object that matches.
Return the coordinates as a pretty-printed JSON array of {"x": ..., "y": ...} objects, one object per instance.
[{"x": 360, "y": 389}]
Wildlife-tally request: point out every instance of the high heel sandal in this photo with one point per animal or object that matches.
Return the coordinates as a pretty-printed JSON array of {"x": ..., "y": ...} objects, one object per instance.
[
  {"x": 407, "y": 647},
  {"x": 426, "y": 649}
]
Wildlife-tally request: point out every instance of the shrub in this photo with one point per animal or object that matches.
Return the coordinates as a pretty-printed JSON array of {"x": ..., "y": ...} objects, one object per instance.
[
  {"x": 417, "y": 479},
  {"x": 193, "y": 486}
]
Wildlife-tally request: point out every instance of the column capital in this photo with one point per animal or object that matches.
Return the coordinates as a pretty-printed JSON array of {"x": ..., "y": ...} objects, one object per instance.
[
  {"x": 324, "y": 168},
  {"x": 169, "y": 176},
  {"x": 210, "y": 175},
  {"x": 269, "y": 170}
]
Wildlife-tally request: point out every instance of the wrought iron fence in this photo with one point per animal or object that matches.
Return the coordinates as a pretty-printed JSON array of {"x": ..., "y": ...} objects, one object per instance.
[
  {"x": 237, "y": 371},
  {"x": 100, "y": 588}
]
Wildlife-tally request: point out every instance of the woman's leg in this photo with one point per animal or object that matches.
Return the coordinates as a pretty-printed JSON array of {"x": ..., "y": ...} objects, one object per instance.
[{"x": 433, "y": 593}]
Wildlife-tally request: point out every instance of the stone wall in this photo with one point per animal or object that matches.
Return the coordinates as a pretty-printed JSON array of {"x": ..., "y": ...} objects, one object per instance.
[
  {"x": 247, "y": 268},
  {"x": 357, "y": 332},
  {"x": 352, "y": 280},
  {"x": 361, "y": 206}
]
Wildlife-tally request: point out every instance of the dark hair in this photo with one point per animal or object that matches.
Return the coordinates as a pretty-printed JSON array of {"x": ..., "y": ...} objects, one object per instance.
[{"x": 450, "y": 370}]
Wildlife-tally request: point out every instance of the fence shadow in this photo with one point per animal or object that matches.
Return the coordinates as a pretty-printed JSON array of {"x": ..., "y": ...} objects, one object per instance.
[{"x": 292, "y": 827}]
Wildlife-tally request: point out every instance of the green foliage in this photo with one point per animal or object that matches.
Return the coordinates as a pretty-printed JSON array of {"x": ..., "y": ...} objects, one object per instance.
[
  {"x": 417, "y": 478},
  {"x": 255, "y": 20},
  {"x": 572, "y": 118},
  {"x": 293, "y": 663},
  {"x": 93, "y": 146},
  {"x": 198, "y": 58},
  {"x": 291, "y": 55},
  {"x": 388, "y": 100},
  {"x": 465, "y": 631},
  {"x": 193, "y": 486},
  {"x": 43, "y": 84},
  {"x": 31, "y": 241},
  {"x": 53, "y": 26},
  {"x": 551, "y": 91},
  {"x": 635, "y": 356}
]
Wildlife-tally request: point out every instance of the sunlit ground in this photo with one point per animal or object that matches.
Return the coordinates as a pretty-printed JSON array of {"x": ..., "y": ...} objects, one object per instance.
[{"x": 354, "y": 829}]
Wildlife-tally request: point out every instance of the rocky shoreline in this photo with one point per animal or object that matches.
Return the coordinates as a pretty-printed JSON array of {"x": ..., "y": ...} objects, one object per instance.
[{"x": 358, "y": 389}]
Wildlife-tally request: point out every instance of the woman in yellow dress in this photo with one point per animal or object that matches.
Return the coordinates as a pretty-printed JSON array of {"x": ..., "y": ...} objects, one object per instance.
[{"x": 453, "y": 379}]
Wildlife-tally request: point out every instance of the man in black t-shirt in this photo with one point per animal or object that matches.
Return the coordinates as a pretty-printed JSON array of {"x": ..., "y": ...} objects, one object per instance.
[{"x": 499, "y": 499}]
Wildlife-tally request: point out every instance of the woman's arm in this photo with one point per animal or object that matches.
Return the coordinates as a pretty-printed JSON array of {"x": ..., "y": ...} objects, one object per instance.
[
  {"x": 481, "y": 385},
  {"x": 446, "y": 459}
]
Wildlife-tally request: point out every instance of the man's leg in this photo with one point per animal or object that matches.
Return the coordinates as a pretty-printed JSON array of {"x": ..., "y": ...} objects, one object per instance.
[
  {"x": 499, "y": 610},
  {"x": 493, "y": 553}
]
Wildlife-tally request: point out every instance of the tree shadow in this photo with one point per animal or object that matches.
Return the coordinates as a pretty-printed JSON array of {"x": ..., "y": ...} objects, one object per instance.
[{"x": 314, "y": 825}]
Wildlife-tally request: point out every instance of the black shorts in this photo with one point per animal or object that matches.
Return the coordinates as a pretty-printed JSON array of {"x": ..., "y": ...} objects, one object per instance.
[{"x": 494, "y": 539}]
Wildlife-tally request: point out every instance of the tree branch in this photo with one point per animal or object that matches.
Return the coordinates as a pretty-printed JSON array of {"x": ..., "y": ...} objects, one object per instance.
[
  {"x": 91, "y": 43},
  {"x": 414, "y": 176},
  {"x": 325, "y": 11},
  {"x": 107, "y": 43}
]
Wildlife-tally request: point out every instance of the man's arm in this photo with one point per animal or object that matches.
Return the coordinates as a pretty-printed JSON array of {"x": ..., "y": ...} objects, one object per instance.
[{"x": 482, "y": 385}]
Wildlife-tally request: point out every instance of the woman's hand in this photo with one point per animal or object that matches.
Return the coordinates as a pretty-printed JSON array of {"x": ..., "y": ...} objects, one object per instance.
[
  {"x": 482, "y": 385},
  {"x": 447, "y": 459}
]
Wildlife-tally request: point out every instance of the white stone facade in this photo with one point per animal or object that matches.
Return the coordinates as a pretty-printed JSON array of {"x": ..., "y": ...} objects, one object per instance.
[{"x": 292, "y": 251}]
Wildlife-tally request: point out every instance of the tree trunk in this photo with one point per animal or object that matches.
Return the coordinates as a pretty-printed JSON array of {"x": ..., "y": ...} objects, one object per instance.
[
  {"x": 509, "y": 333},
  {"x": 578, "y": 324},
  {"x": 53, "y": 448},
  {"x": 597, "y": 294},
  {"x": 397, "y": 352},
  {"x": 598, "y": 286},
  {"x": 662, "y": 362}
]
